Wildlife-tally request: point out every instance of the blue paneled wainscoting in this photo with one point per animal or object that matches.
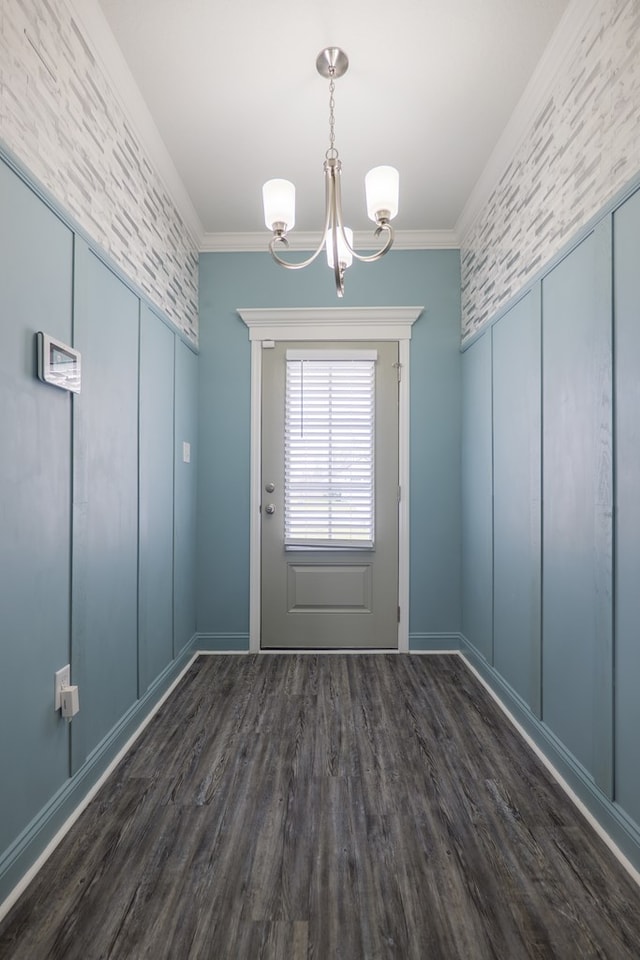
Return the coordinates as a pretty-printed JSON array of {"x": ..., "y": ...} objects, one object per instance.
[
  {"x": 551, "y": 515},
  {"x": 97, "y": 525}
]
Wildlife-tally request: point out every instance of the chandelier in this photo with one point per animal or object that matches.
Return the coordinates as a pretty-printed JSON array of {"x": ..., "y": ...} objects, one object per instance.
[{"x": 381, "y": 186}]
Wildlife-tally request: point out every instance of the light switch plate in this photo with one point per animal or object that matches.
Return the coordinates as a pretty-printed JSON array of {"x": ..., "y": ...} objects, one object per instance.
[
  {"x": 186, "y": 452},
  {"x": 62, "y": 678}
]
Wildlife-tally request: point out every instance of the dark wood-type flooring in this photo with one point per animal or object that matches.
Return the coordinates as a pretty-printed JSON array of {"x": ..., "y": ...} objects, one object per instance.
[{"x": 304, "y": 806}]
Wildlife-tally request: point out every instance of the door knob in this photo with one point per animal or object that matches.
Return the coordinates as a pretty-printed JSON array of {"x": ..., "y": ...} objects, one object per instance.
[{"x": 270, "y": 508}]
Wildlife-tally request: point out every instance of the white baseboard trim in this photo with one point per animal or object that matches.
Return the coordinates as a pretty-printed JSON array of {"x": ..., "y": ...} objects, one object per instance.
[
  {"x": 434, "y": 642},
  {"x": 222, "y": 642}
]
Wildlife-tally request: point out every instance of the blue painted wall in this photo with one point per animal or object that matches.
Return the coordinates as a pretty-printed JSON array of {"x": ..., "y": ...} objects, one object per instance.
[
  {"x": 91, "y": 492},
  {"x": 577, "y": 518},
  {"x": 105, "y": 503},
  {"x": 185, "y": 522},
  {"x": 477, "y": 498},
  {"x": 517, "y": 495},
  {"x": 564, "y": 651},
  {"x": 156, "y": 486},
  {"x": 627, "y": 500},
  {"x": 229, "y": 281},
  {"x": 35, "y": 505}
]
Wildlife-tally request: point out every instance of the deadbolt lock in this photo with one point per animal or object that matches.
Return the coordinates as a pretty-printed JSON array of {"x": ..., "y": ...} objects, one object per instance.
[
  {"x": 270, "y": 487},
  {"x": 270, "y": 508}
]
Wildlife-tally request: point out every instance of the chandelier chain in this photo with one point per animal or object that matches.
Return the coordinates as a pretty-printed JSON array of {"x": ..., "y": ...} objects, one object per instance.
[{"x": 332, "y": 153}]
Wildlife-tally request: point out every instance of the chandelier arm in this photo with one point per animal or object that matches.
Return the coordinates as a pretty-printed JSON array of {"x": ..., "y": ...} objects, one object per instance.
[
  {"x": 371, "y": 258},
  {"x": 281, "y": 238},
  {"x": 383, "y": 226},
  {"x": 287, "y": 263}
]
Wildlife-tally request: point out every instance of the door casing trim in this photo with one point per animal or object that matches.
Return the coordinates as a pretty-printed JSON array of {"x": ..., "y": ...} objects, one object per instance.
[{"x": 317, "y": 324}]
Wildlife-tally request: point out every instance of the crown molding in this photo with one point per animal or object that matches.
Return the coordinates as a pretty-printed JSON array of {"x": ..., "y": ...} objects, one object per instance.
[
  {"x": 561, "y": 47},
  {"x": 99, "y": 38},
  {"x": 258, "y": 242}
]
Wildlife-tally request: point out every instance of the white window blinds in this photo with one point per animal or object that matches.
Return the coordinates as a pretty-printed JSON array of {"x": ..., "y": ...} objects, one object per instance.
[{"x": 329, "y": 448}]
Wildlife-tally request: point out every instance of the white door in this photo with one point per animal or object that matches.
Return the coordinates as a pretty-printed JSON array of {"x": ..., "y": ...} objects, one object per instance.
[{"x": 329, "y": 510}]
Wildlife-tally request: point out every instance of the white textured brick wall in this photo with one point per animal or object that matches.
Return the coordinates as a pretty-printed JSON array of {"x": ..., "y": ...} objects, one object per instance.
[
  {"x": 60, "y": 118},
  {"x": 582, "y": 148}
]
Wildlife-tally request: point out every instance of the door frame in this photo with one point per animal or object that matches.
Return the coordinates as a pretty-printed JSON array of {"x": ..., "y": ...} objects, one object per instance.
[{"x": 318, "y": 324}]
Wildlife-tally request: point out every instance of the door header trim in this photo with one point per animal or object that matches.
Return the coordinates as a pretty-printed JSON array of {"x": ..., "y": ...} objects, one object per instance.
[{"x": 330, "y": 323}]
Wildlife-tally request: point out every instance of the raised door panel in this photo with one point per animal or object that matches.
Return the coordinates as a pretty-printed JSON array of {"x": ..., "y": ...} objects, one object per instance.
[
  {"x": 156, "y": 498},
  {"x": 577, "y": 513},
  {"x": 105, "y": 509},
  {"x": 516, "y": 484},
  {"x": 36, "y": 284},
  {"x": 627, "y": 365},
  {"x": 477, "y": 494}
]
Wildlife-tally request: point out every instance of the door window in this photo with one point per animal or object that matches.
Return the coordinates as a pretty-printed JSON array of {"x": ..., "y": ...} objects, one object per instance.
[{"x": 329, "y": 449}]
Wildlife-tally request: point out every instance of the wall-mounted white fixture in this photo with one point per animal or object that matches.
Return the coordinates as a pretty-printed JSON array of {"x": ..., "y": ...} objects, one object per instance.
[
  {"x": 70, "y": 702},
  {"x": 381, "y": 185},
  {"x": 65, "y": 695}
]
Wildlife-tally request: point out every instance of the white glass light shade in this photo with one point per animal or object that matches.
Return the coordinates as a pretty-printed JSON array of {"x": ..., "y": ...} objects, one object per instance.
[
  {"x": 382, "y": 186},
  {"x": 344, "y": 254},
  {"x": 279, "y": 199}
]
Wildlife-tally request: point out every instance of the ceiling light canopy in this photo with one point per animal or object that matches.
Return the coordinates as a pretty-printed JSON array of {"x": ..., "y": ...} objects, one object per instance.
[{"x": 381, "y": 186}]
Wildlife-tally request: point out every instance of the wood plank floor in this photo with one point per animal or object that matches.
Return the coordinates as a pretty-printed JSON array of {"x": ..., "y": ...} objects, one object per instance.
[{"x": 288, "y": 807}]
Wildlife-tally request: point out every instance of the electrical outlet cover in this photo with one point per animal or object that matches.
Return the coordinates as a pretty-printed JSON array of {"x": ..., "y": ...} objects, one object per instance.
[{"x": 62, "y": 678}]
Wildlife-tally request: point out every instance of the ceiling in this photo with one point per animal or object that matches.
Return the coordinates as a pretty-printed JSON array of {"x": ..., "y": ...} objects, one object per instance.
[{"x": 233, "y": 90}]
